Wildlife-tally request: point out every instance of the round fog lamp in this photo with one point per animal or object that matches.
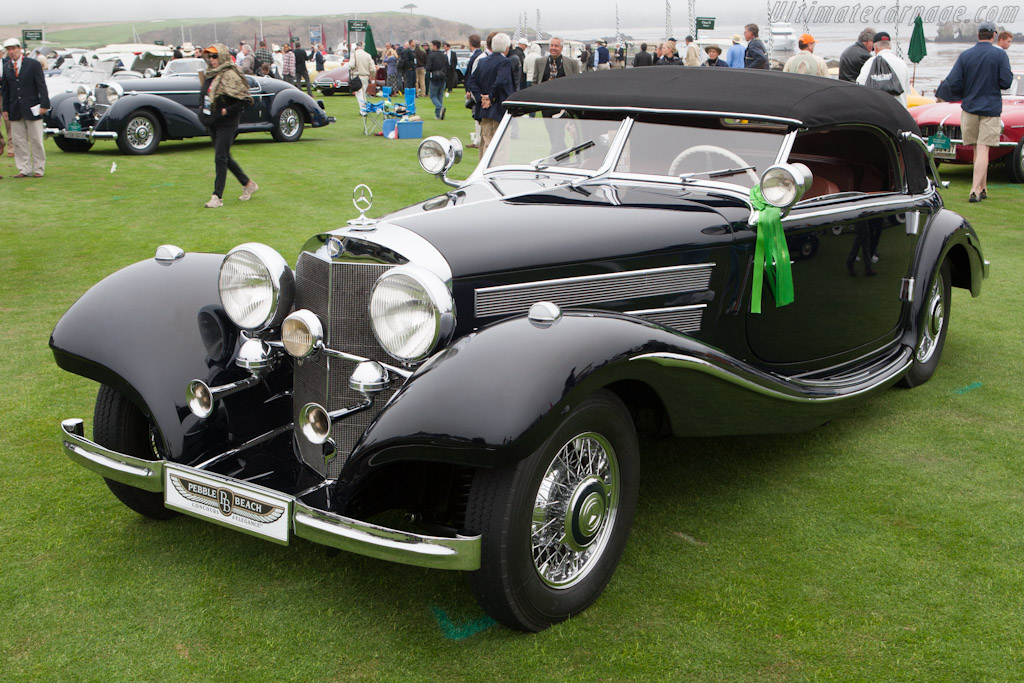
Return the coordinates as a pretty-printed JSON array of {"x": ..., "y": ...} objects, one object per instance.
[
  {"x": 433, "y": 156},
  {"x": 301, "y": 333},
  {"x": 200, "y": 398},
  {"x": 314, "y": 423}
]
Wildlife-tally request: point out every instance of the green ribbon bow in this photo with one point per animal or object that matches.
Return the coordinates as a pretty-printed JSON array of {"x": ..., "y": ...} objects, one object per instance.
[{"x": 771, "y": 255}]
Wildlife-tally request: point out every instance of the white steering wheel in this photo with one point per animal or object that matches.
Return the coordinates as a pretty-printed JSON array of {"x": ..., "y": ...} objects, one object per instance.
[{"x": 711, "y": 149}]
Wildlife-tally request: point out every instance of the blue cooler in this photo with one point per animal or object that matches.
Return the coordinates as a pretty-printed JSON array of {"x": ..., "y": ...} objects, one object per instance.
[
  {"x": 408, "y": 130},
  {"x": 389, "y": 126}
]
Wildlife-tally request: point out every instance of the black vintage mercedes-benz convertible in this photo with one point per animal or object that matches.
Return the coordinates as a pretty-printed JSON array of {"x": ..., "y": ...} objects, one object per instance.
[
  {"x": 685, "y": 251},
  {"x": 139, "y": 113}
]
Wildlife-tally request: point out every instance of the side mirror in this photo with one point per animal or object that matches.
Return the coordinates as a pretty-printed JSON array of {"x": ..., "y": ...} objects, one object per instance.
[
  {"x": 149, "y": 73},
  {"x": 438, "y": 155}
]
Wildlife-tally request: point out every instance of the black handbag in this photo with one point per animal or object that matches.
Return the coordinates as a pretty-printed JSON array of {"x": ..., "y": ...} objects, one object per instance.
[
  {"x": 355, "y": 84},
  {"x": 881, "y": 77}
]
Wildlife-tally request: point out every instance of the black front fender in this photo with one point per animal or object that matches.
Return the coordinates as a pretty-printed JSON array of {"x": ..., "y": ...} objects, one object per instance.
[
  {"x": 176, "y": 120},
  {"x": 150, "y": 328},
  {"x": 492, "y": 397}
]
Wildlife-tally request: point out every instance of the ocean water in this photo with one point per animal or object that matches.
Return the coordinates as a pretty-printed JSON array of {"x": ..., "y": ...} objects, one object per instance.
[{"x": 831, "y": 40}]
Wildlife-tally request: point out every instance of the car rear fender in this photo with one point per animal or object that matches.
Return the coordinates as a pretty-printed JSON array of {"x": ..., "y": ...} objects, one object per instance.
[
  {"x": 948, "y": 237},
  {"x": 150, "y": 328}
]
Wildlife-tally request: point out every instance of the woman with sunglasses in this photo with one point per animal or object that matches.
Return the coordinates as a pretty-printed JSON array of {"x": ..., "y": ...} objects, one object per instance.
[{"x": 224, "y": 93}]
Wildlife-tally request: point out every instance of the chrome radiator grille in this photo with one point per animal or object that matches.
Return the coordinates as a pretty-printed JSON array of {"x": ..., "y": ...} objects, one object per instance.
[
  {"x": 339, "y": 294},
  {"x": 592, "y": 289}
]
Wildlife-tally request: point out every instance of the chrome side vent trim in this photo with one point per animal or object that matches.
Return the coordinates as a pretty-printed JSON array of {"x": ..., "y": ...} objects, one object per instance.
[
  {"x": 592, "y": 289},
  {"x": 679, "y": 318}
]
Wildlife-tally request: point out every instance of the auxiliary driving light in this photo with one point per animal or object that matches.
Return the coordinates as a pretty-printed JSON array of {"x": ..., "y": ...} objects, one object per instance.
[
  {"x": 314, "y": 423},
  {"x": 200, "y": 398},
  {"x": 302, "y": 333}
]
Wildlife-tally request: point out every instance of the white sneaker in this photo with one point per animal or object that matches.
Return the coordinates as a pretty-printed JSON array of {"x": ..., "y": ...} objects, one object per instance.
[
  {"x": 214, "y": 202},
  {"x": 248, "y": 191}
]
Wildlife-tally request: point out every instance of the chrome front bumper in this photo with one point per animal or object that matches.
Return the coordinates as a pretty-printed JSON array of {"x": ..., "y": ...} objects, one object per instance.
[
  {"x": 318, "y": 526},
  {"x": 84, "y": 134}
]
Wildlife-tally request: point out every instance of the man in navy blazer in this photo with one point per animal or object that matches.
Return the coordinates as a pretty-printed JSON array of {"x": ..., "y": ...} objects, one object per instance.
[
  {"x": 491, "y": 84},
  {"x": 25, "y": 101}
]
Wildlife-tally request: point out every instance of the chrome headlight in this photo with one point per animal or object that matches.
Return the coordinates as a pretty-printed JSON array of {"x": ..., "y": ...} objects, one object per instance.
[
  {"x": 114, "y": 92},
  {"x": 437, "y": 155},
  {"x": 82, "y": 94},
  {"x": 302, "y": 333},
  {"x": 256, "y": 286},
  {"x": 782, "y": 185},
  {"x": 411, "y": 312}
]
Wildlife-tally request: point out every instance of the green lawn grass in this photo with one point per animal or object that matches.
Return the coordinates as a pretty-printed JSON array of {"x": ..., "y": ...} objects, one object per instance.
[{"x": 885, "y": 545}]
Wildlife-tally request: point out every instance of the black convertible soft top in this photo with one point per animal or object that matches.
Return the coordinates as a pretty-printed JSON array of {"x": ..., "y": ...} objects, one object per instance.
[{"x": 809, "y": 101}]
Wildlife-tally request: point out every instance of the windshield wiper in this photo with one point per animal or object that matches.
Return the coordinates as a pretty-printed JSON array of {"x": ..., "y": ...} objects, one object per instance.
[
  {"x": 721, "y": 173},
  {"x": 564, "y": 154}
]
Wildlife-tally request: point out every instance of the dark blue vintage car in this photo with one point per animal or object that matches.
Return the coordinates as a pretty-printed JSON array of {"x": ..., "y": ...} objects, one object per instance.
[
  {"x": 139, "y": 113},
  {"x": 679, "y": 251}
]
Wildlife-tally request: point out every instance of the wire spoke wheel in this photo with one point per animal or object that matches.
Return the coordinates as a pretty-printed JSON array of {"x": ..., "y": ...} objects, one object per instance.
[
  {"x": 575, "y": 509},
  {"x": 934, "y": 316},
  {"x": 555, "y": 523},
  {"x": 288, "y": 127},
  {"x": 140, "y": 135}
]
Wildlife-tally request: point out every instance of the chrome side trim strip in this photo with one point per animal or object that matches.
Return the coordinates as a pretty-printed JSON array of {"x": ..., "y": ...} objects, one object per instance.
[
  {"x": 791, "y": 393},
  {"x": 680, "y": 318},
  {"x": 797, "y": 215},
  {"x": 319, "y": 526},
  {"x": 651, "y": 110},
  {"x": 592, "y": 289}
]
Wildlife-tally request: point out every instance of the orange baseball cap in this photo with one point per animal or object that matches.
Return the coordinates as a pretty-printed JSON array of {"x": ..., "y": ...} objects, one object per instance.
[
  {"x": 807, "y": 39},
  {"x": 212, "y": 49}
]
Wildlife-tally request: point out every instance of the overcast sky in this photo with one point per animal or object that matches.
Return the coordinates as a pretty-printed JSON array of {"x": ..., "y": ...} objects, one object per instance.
[{"x": 564, "y": 14}]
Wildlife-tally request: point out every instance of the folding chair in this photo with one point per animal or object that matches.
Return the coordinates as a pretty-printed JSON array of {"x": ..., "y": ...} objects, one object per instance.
[
  {"x": 373, "y": 114},
  {"x": 410, "y": 101}
]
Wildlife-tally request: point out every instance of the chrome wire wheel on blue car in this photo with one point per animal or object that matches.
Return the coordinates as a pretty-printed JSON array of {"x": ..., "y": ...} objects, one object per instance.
[
  {"x": 555, "y": 524},
  {"x": 288, "y": 127},
  {"x": 141, "y": 135}
]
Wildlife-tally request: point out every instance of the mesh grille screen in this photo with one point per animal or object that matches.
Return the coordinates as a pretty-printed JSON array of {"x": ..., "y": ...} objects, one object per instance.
[{"x": 339, "y": 294}]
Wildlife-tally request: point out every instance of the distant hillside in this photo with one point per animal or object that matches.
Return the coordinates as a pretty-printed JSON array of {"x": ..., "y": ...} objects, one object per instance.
[{"x": 386, "y": 26}]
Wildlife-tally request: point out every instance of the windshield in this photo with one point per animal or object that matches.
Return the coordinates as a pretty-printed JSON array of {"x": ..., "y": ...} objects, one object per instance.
[
  {"x": 675, "y": 150},
  {"x": 554, "y": 142}
]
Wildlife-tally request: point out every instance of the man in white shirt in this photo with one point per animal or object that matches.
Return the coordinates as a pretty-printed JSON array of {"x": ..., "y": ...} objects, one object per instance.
[
  {"x": 883, "y": 50},
  {"x": 362, "y": 66},
  {"x": 805, "y": 61}
]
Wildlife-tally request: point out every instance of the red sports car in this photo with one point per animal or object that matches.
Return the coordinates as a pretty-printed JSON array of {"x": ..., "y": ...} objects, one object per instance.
[{"x": 940, "y": 125}]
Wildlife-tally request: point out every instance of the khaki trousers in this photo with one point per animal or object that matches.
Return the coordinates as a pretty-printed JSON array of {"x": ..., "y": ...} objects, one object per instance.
[
  {"x": 27, "y": 137},
  {"x": 487, "y": 129},
  {"x": 421, "y": 81}
]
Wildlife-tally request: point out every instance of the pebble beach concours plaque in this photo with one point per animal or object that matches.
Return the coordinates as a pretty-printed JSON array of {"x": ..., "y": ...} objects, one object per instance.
[{"x": 227, "y": 502}]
